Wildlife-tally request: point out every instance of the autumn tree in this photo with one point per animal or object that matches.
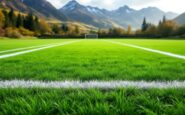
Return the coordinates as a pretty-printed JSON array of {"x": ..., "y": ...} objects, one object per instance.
[
  {"x": 129, "y": 30},
  {"x": 102, "y": 32},
  {"x": 116, "y": 31},
  {"x": 77, "y": 30},
  {"x": 180, "y": 30},
  {"x": 44, "y": 27},
  {"x": 166, "y": 28},
  {"x": 2, "y": 19},
  {"x": 7, "y": 20},
  {"x": 152, "y": 30}
]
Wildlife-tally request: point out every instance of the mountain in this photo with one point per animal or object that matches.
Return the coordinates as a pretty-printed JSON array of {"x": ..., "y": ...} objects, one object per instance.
[
  {"x": 134, "y": 18},
  {"x": 87, "y": 14},
  {"x": 16, "y": 5},
  {"x": 41, "y": 8},
  {"x": 180, "y": 19},
  {"x": 123, "y": 16},
  {"x": 45, "y": 8},
  {"x": 101, "y": 18}
]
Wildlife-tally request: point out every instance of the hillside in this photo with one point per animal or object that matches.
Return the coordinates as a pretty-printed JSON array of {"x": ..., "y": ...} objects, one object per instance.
[
  {"x": 45, "y": 8},
  {"x": 84, "y": 28},
  {"x": 41, "y": 8},
  {"x": 180, "y": 19}
]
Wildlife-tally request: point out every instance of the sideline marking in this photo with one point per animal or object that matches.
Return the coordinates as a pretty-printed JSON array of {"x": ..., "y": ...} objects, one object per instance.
[
  {"x": 91, "y": 84},
  {"x": 149, "y": 49},
  {"x": 24, "y": 48},
  {"x": 37, "y": 49}
]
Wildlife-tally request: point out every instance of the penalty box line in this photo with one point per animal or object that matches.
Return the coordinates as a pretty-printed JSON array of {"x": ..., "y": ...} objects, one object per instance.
[
  {"x": 36, "y": 49},
  {"x": 91, "y": 84},
  {"x": 149, "y": 49}
]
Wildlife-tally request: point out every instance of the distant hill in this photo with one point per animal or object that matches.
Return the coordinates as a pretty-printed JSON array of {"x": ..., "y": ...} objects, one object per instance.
[
  {"x": 17, "y": 5},
  {"x": 123, "y": 16},
  {"x": 180, "y": 19},
  {"x": 41, "y": 8}
]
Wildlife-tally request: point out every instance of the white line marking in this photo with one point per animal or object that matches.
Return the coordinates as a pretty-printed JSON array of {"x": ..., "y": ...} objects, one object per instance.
[
  {"x": 25, "y": 48},
  {"x": 149, "y": 49},
  {"x": 91, "y": 84},
  {"x": 33, "y": 50}
]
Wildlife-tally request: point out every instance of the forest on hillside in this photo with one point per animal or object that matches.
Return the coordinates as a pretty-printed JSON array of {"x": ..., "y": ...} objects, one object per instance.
[{"x": 17, "y": 25}]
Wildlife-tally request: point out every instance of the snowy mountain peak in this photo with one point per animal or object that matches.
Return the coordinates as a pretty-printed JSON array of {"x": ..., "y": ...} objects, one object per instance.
[
  {"x": 71, "y": 5},
  {"x": 73, "y": 2},
  {"x": 125, "y": 9},
  {"x": 94, "y": 10}
]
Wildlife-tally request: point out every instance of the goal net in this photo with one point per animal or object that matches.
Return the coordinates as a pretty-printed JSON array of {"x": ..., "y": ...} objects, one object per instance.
[{"x": 91, "y": 36}]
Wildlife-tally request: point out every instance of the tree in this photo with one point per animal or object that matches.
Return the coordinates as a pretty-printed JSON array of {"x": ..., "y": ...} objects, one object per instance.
[
  {"x": 77, "y": 31},
  {"x": 6, "y": 22},
  {"x": 152, "y": 30},
  {"x": 118, "y": 31},
  {"x": 110, "y": 31},
  {"x": 65, "y": 28},
  {"x": 129, "y": 30},
  {"x": 56, "y": 29},
  {"x": 2, "y": 19},
  {"x": 102, "y": 32},
  {"x": 166, "y": 28},
  {"x": 180, "y": 30},
  {"x": 36, "y": 23},
  {"x": 19, "y": 22},
  {"x": 29, "y": 22},
  {"x": 164, "y": 19},
  {"x": 44, "y": 27},
  {"x": 144, "y": 25},
  {"x": 12, "y": 18}
]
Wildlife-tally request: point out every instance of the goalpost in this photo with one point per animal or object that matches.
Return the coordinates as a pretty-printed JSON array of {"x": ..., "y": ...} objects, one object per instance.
[{"x": 91, "y": 36}]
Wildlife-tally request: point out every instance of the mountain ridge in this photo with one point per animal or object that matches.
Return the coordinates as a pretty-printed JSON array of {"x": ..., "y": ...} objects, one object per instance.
[
  {"x": 123, "y": 16},
  {"x": 76, "y": 12}
]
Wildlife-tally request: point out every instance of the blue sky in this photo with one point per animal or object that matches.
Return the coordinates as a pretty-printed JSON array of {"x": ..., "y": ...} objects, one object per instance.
[{"x": 165, "y": 5}]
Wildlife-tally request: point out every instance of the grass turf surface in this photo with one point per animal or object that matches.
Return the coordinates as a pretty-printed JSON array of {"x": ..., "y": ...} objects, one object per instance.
[
  {"x": 14, "y": 44},
  {"x": 173, "y": 46},
  {"x": 95, "y": 60},
  {"x": 92, "y": 101}
]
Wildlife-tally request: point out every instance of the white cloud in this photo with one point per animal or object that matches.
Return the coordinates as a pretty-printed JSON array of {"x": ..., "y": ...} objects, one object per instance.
[{"x": 166, "y": 5}]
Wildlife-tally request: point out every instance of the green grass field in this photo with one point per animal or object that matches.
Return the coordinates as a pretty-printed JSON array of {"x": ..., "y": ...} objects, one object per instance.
[
  {"x": 8, "y": 44},
  {"x": 93, "y": 60},
  {"x": 92, "y": 101}
]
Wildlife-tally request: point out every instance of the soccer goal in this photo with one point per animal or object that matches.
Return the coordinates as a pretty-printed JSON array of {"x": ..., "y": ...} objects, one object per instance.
[{"x": 91, "y": 36}]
